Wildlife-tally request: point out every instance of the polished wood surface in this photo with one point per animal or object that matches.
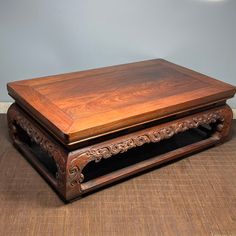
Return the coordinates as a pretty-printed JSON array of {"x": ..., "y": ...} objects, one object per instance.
[
  {"x": 83, "y": 105},
  {"x": 194, "y": 196},
  {"x": 113, "y": 159}
]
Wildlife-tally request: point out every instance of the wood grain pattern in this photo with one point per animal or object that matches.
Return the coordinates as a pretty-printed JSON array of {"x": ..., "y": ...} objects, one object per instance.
[
  {"x": 148, "y": 101},
  {"x": 87, "y": 104},
  {"x": 70, "y": 164},
  {"x": 79, "y": 159},
  {"x": 194, "y": 196}
]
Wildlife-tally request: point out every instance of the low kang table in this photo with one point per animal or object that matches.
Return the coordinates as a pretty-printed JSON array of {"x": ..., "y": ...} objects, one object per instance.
[{"x": 84, "y": 130}]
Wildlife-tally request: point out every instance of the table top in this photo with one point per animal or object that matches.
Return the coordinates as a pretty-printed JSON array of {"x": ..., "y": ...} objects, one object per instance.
[{"x": 82, "y": 105}]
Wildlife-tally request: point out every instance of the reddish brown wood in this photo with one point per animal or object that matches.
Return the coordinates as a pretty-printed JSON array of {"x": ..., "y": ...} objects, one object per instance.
[
  {"x": 80, "y": 158},
  {"x": 77, "y": 118},
  {"x": 82, "y": 105},
  {"x": 69, "y": 178}
]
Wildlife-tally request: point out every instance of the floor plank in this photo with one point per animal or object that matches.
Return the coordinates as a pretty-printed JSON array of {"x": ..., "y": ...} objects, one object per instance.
[{"x": 193, "y": 196}]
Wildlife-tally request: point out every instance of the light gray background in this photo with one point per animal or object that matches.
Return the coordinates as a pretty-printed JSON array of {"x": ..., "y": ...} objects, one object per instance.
[{"x": 45, "y": 37}]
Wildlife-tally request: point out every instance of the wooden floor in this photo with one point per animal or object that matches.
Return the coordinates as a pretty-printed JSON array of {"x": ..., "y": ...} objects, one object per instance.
[{"x": 194, "y": 196}]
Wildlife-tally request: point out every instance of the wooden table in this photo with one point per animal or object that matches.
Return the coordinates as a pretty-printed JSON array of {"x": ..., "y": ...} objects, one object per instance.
[{"x": 87, "y": 129}]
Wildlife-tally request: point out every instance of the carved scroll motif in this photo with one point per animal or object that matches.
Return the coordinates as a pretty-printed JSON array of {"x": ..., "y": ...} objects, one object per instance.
[
  {"x": 15, "y": 117},
  {"x": 151, "y": 135},
  {"x": 154, "y": 136},
  {"x": 75, "y": 176}
]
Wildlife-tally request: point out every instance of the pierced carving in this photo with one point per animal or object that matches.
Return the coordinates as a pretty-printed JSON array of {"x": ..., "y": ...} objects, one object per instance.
[
  {"x": 155, "y": 135},
  {"x": 70, "y": 164},
  {"x": 75, "y": 175},
  {"x": 15, "y": 117},
  {"x": 150, "y": 135}
]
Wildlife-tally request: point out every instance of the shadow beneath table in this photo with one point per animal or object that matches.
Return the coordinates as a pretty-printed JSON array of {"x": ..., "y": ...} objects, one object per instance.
[{"x": 21, "y": 184}]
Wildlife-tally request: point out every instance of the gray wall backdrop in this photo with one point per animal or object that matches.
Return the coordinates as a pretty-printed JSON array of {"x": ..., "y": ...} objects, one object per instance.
[{"x": 39, "y": 38}]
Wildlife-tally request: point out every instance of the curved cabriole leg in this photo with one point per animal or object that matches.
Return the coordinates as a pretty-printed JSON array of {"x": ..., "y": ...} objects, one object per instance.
[
  {"x": 220, "y": 117},
  {"x": 18, "y": 119}
]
